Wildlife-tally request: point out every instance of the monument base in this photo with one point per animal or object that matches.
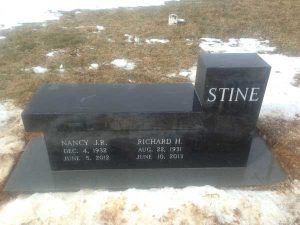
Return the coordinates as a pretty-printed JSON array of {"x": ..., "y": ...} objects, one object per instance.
[{"x": 33, "y": 174}]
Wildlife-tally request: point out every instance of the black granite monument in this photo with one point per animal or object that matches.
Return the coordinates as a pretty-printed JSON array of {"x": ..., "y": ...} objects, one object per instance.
[
  {"x": 117, "y": 126},
  {"x": 119, "y": 136}
]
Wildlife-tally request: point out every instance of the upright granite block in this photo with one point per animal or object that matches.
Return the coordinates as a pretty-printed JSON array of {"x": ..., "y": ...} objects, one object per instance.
[{"x": 231, "y": 88}]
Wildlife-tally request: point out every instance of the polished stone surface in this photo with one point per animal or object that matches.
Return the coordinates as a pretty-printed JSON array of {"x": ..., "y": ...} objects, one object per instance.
[
  {"x": 33, "y": 174},
  {"x": 231, "y": 88},
  {"x": 112, "y": 106}
]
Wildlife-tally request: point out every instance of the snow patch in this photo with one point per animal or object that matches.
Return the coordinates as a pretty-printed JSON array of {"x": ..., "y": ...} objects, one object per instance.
[
  {"x": 94, "y": 66},
  {"x": 171, "y": 75},
  {"x": 123, "y": 64},
  {"x": 132, "y": 38},
  {"x": 54, "y": 53},
  {"x": 2, "y": 37},
  {"x": 282, "y": 99},
  {"x": 27, "y": 70},
  {"x": 136, "y": 39},
  {"x": 189, "y": 41},
  {"x": 131, "y": 81},
  {"x": 189, "y": 73},
  {"x": 194, "y": 205},
  {"x": 51, "y": 54},
  {"x": 129, "y": 38},
  {"x": 61, "y": 68},
  {"x": 3, "y": 115},
  {"x": 155, "y": 40},
  {"x": 39, "y": 69},
  {"x": 7, "y": 112},
  {"x": 242, "y": 45},
  {"x": 16, "y": 12},
  {"x": 99, "y": 28},
  {"x": 11, "y": 137}
]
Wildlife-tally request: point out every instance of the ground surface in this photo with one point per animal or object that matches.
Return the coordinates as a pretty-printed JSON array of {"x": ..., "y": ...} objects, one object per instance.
[{"x": 136, "y": 45}]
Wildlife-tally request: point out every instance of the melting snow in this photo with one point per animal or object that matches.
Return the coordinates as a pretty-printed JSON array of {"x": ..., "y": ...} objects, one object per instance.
[
  {"x": 136, "y": 39},
  {"x": 191, "y": 205},
  {"x": 171, "y": 75},
  {"x": 282, "y": 99},
  {"x": 100, "y": 28},
  {"x": 94, "y": 66},
  {"x": 132, "y": 38},
  {"x": 11, "y": 134},
  {"x": 233, "y": 45},
  {"x": 3, "y": 115},
  {"x": 26, "y": 70},
  {"x": 131, "y": 81},
  {"x": 154, "y": 41},
  {"x": 61, "y": 68},
  {"x": 123, "y": 64},
  {"x": 39, "y": 69},
  {"x": 188, "y": 41},
  {"x": 189, "y": 73},
  {"x": 53, "y": 53},
  {"x": 129, "y": 38}
]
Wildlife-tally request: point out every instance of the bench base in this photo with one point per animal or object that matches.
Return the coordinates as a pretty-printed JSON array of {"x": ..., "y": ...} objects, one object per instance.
[{"x": 33, "y": 174}]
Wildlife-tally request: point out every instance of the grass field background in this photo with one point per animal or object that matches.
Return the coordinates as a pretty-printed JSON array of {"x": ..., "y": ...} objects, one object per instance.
[{"x": 79, "y": 46}]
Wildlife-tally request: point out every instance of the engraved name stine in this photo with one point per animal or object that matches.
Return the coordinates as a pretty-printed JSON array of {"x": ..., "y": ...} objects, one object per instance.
[{"x": 234, "y": 94}]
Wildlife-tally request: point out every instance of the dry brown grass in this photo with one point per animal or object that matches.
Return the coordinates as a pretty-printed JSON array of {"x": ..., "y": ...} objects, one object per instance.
[
  {"x": 25, "y": 47},
  {"x": 113, "y": 212},
  {"x": 284, "y": 138},
  {"x": 4, "y": 197}
]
